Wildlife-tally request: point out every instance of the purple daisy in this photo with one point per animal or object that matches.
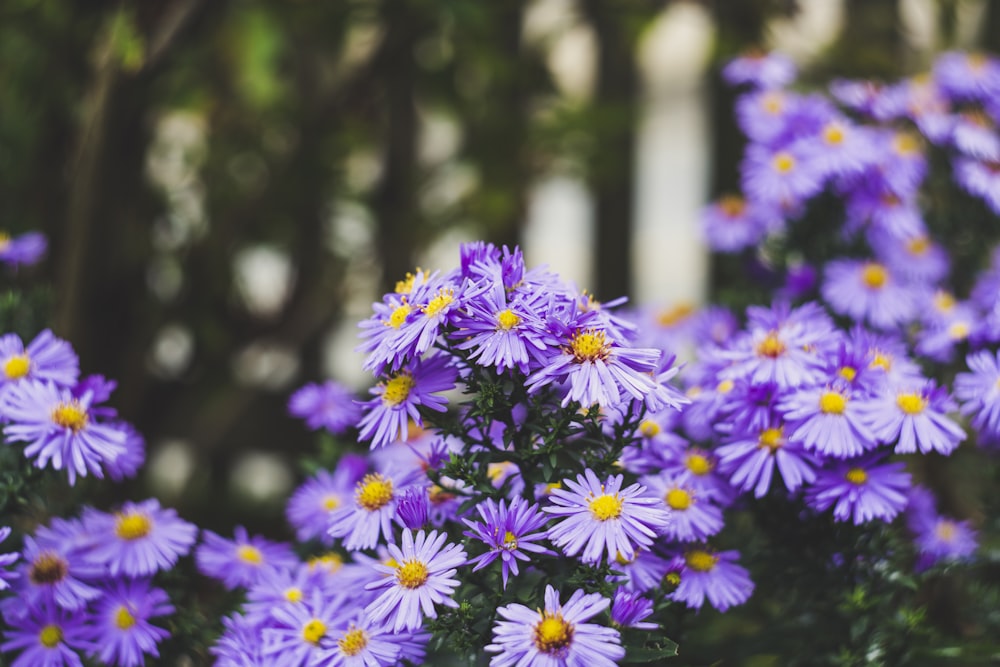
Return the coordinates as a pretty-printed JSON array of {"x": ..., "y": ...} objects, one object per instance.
[
  {"x": 241, "y": 561},
  {"x": 555, "y": 634},
  {"x": 26, "y": 249},
  {"x": 831, "y": 420},
  {"x": 139, "y": 539},
  {"x": 629, "y": 608},
  {"x": 46, "y": 636},
  {"x": 602, "y": 517},
  {"x": 6, "y": 560},
  {"x": 693, "y": 518},
  {"x": 981, "y": 179},
  {"x": 371, "y": 514},
  {"x": 363, "y": 643},
  {"x": 508, "y": 532},
  {"x": 309, "y": 507},
  {"x": 59, "y": 430},
  {"x": 55, "y": 571},
  {"x": 46, "y": 359},
  {"x": 420, "y": 579},
  {"x": 979, "y": 391},
  {"x": 751, "y": 461},
  {"x": 239, "y": 645},
  {"x": 119, "y": 624},
  {"x": 643, "y": 572},
  {"x": 782, "y": 178},
  {"x": 329, "y": 405},
  {"x": 915, "y": 419},
  {"x": 860, "y": 490},
  {"x": 279, "y": 588},
  {"x": 760, "y": 69},
  {"x": 715, "y": 576},
  {"x": 398, "y": 397},
  {"x": 867, "y": 291},
  {"x": 967, "y": 76},
  {"x": 732, "y": 224},
  {"x": 300, "y": 635}
]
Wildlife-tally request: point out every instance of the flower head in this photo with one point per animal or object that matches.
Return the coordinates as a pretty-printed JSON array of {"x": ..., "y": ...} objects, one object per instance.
[
  {"x": 241, "y": 562},
  {"x": 860, "y": 489},
  {"x": 715, "y": 576},
  {"x": 510, "y": 533},
  {"x": 139, "y": 539},
  {"x": 46, "y": 635},
  {"x": 329, "y": 405},
  {"x": 120, "y": 623}
]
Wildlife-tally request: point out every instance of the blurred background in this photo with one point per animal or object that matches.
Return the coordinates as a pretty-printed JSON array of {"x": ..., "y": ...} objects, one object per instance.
[{"x": 227, "y": 185}]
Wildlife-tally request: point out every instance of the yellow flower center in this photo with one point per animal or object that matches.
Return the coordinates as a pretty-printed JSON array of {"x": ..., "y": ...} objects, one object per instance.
[
  {"x": 605, "y": 507},
  {"x": 944, "y": 301},
  {"x": 589, "y": 346},
  {"x": 48, "y": 568},
  {"x": 411, "y": 574},
  {"x": 725, "y": 386},
  {"x": 250, "y": 555},
  {"x": 405, "y": 286},
  {"x": 945, "y": 530},
  {"x": 331, "y": 562},
  {"x": 293, "y": 594},
  {"x": 622, "y": 560},
  {"x": 918, "y": 246},
  {"x": 771, "y": 346},
  {"x": 509, "y": 541},
  {"x": 649, "y": 428},
  {"x": 834, "y": 134},
  {"x": 832, "y": 403},
  {"x": 958, "y": 330},
  {"x": 552, "y": 633},
  {"x": 906, "y": 144},
  {"x": 881, "y": 360},
  {"x": 771, "y": 438},
  {"x": 698, "y": 464},
  {"x": 17, "y": 367},
  {"x": 911, "y": 404},
  {"x": 732, "y": 207},
  {"x": 353, "y": 642},
  {"x": 783, "y": 162},
  {"x": 397, "y": 389},
  {"x": 70, "y": 415},
  {"x": 331, "y": 502},
  {"x": 440, "y": 302},
  {"x": 856, "y": 476},
  {"x": 874, "y": 276},
  {"x": 507, "y": 320},
  {"x": 773, "y": 103},
  {"x": 679, "y": 499},
  {"x": 682, "y": 311},
  {"x": 314, "y": 631},
  {"x": 50, "y": 636},
  {"x": 133, "y": 526},
  {"x": 847, "y": 373},
  {"x": 672, "y": 579},
  {"x": 4, "y": 240},
  {"x": 399, "y": 315},
  {"x": 374, "y": 492},
  {"x": 124, "y": 618},
  {"x": 701, "y": 561}
]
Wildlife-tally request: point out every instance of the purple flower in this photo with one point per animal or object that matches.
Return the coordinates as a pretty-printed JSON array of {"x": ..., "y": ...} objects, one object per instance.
[
  {"x": 242, "y": 561},
  {"x": 975, "y": 135},
  {"x": 329, "y": 405},
  {"x": 46, "y": 359},
  {"x": 937, "y": 538},
  {"x": 602, "y": 517},
  {"x": 508, "y": 532},
  {"x": 420, "y": 579},
  {"x": 25, "y": 249},
  {"x": 914, "y": 418},
  {"x": 868, "y": 291},
  {"x": 282, "y": 587},
  {"x": 750, "y": 461},
  {"x": 139, "y": 539},
  {"x": 732, "y": 224},
  {"x": 299, "y": 635},
  {"x": 414, "y": 507},
  {"x": 363, "y": 643},
  {"x": 5, "y": 561},
  {"x": 629, "y": 608},
  {"x": 761, "y": 70},
  {"x": 860, "y": 490},
  {"x": 782, "y": 178},
  {"x": 831, "y": 420},
  {"x": 239, "y": 645},
  {"x": 556, "y": 634},
  {"x": 119, "y": 625},
  {"x": 55, "y": 571},
  {"x": 59, "y": 429},
  {"x": 712, "y": 575},
  {"x": 979, "y": 391},
  {"x": 693, "y": 518},
  {"x": 46, "y": 636},
  {"x": 981, "y": 179},
  {"x": 398, "y": 397},
  {"x": 309, "y": 507},
  {"x": 967, "y": 76},
  {"x": 370, "y": 515}
]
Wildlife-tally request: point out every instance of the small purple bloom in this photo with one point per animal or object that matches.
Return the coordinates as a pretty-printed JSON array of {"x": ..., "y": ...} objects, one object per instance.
[
  {"x": 46, "y": 359},
  {"x": 139, "y": 539},
  {"x": 915, "y": 419},
  {"x": 860, "y": 490},
  {"x": 629, "y": 608},
  {"x": 370, "y": 515},
  {"x": 240, "y": 562},
  {"x": 782, "y": 178},
  {"x": 55, "y": 571},
  {"x": 750, "y": 461},
  {"x": 26, "y": 249},
  {"x": 868, "y": 292},
  {"x": 414, "y": 507},
  {"x": 760, "y": 69},
  {"x": 732, "y": 224},
  {"x": 6, "y": 560},
  {"x": 46, "y": 636},
  {"x": 508, "y": 532},
  {"x": 715, "y": 576},
  {"x": 309, "y": 507},
  {"x": 979, "y": 391},
  {"x": 300, "y": 635},
  {"x": 831, "y": 420},
  {"x": 329, "y": 405},
  {"x": 120, "y": 627},
  {"x": 363, "y": 643}
]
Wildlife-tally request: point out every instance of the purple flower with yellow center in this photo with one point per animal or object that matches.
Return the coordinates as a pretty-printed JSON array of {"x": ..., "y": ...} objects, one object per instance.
[
  {"x": 981, "y": 179},
  {"x": 914, "y": 417},
  {"x": 975, "y": 135},
  {"x": 714, "y": 576},
  {"x": 46, "y": 636},
  {"x": 59, "y": 431},
  {"x": 309, "y": 507},
  {"x": 643, "y": 572},
  {"x": 54, "y": 571},
  {"x": 25, "y": 249},
  {"x": 329, "y": 405},
  {"x": 508, "y": 532},
  {"x": 127, "y": 464},
  {"x": 361, "y": 522},
  {"x": 363, "y": 643},
  {"x": 239, "y": 645},
  {"x": 301, "y": 635},
  {"x": 398, "y": 397},
  {"x": 696, "y": 469},
  {"x": 979, "y": 391},
  {"x": 751, "y": 459},
  {"x": 119, "y": 624},
  {"x": 767, "y": 116},
  {"x": 601, "y": 517},
  {"x": 914, "y": 258},
  {"x": 629, "y": 608},
  {"x": 6, "y": 560},
  {"x": 732, "y": 224},
  {"x": 420, "y": 578},
  {"x": 139, "y": 539},
  {"x": 967, "y": 76},
  {"x": 241, "y": 562},
  {"x": 760, "y": 69},
  {"x": 601, "y": 372},
  {"x": 284, "y": 587},
  {"x": 831, "y": 420},
  {"x": 46, "y": 359},
  {"x": 840, "y": 148},
  {"x": 867, "y": 291},
  {"x": 692, "y": 517},
  {"x": 782, "y": 178},
  {"x": 556, "y": 634},
  {"x": 860, "y": 490},
  {"x": 948, "y": 324}
]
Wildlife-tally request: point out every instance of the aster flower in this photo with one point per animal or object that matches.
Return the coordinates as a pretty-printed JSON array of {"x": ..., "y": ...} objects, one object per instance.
[
  {"x": 840, "y": 148},
  {"x": 300, "y": 635},
  {"x": 398, "y": 397},
  {"x": 981, "y": 179},
  {"x": 751, "y": 459},
  {"x": 555, "y": 634},
  {"x": 831, "y": 420},
  {"x": 282, "y": 587},
  {"x": 413, "y": 508},
  {"x": 371, "y": 514},
  {"x": 239, "y": 645},
  {"x": 629, "y": 608},
  {"x": 979, "y": 391},
  {"x": 732, "y": 224},
  {"x": 127, "y": 464},
  {"x": 760, "y": 69},
  {"x": 25, "y": 249},
  {"x": 309, "y": 507},
  {"x": 936, "y": 537},
  {"x": 329, "y": 405},
  {"x": 508, "y": 532},
  {"x": 46, "y": 359},
  {"x": 421, "y": 578},
  {"x": 241, "y": 561},
  {"x": 915, "y": 419},
  {"x": 869, "y": 292},
  {"x": 57, "y": 572},
  {"x": 967, "y": 76},
  {"x": 783, "y": 177},
  {"x": 363, "y": 643},
  {"x": 58, "y": 429},
  {"x": 46, "y": 636},
  {"x": 692, "y": 517},
  {"x": 139, "y": 539},
  {"x": 601, "y": 517},
  {"x": 119, "y": 625},
  {"x": 715, "y": 576},
  {"x": 6, "y": 560},
  {"x": 914, "y": 258},
  {"x": 860, "y": 490}
]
